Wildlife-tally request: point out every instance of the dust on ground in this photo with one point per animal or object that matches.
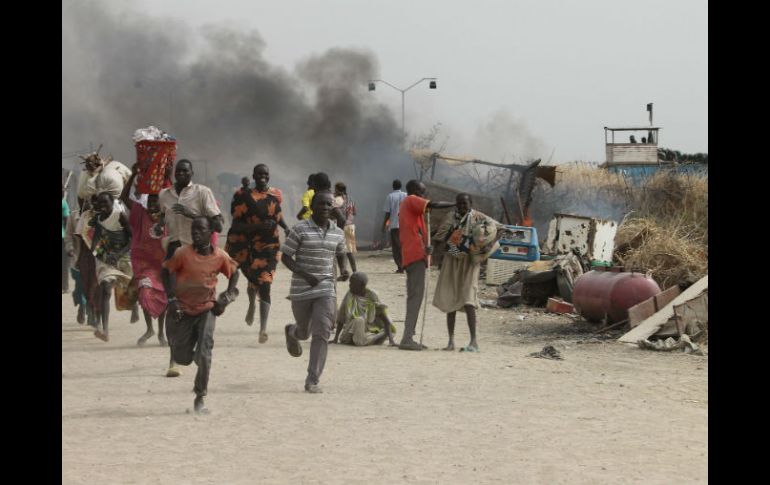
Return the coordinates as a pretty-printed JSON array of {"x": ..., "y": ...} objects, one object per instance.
[{"x": 607, "y": 413}]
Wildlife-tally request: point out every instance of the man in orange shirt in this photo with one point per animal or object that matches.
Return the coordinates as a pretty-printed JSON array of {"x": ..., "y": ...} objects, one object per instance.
[
  {"x": 415, "y": 248},
  {"x": 192, "y": 307}
]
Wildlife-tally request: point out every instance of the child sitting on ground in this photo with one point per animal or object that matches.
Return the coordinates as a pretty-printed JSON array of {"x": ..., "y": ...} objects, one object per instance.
[{"x": 362, "y": 319}]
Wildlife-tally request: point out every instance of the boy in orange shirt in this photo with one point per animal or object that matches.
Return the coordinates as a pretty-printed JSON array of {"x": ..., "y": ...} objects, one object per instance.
[{"x": 192, "y": 308}]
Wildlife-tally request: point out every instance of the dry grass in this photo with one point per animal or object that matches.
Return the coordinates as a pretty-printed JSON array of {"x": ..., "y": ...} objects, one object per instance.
[
  {"x": 667, "y": 234},
  {"x": 663, "y": 249},
  {"x": 678, "y": 201},
  {"x": 664, "y": 226}
]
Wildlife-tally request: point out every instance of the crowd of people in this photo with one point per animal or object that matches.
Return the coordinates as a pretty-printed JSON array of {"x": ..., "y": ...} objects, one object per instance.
[{"x": 159, "y": 252}]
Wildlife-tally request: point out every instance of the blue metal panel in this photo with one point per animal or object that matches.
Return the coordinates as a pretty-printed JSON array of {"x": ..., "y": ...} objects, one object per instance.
[{"x": 521, "y": 246}]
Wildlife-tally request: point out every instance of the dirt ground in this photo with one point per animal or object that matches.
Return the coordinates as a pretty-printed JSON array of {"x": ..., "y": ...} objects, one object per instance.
[{"x": 607, "y": 413}]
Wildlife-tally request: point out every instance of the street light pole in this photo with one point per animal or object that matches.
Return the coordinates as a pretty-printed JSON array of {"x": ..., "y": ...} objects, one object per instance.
[{"x": 403, "y": 91}]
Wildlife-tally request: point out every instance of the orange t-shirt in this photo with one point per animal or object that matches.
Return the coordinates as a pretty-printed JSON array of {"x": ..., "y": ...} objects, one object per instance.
[
  {"x": 196, "y": 277},
  {"x": 413, "y": 234}
]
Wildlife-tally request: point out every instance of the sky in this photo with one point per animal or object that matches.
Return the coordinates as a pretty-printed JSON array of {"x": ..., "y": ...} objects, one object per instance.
[{"x": 517, "y": 79}]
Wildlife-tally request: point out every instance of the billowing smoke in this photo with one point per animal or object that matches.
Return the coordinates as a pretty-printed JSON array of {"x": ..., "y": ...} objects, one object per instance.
[
  {"x": 502, "y": 136},
  {"x": 228, "y": 107}
]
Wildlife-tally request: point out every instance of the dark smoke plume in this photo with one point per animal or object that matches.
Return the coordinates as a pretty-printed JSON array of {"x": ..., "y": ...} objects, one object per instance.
[{"x": 227, "y": 106}]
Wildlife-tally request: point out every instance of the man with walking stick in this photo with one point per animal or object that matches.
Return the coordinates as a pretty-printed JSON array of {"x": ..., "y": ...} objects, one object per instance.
[{"x": 415, "y": 253}]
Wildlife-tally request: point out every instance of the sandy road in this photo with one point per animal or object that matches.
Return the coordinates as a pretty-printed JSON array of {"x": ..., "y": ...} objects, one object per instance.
[{"x": 607, "y": 413}]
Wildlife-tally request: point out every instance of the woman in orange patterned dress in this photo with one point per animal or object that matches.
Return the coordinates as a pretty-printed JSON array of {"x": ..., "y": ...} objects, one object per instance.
[{"x": 253, "y": 241}]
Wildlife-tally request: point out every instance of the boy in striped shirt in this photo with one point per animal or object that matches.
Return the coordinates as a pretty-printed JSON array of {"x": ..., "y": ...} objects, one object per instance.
[{"x": 309, "y": 252}]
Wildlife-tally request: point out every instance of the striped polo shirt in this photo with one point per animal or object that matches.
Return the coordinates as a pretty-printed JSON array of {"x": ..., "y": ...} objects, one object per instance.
[{"x": 313, "y": 249}]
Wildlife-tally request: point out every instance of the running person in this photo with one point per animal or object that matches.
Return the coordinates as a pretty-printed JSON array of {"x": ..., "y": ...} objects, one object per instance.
[
  {"x": 309, "y": 252},
  {"x": 192, "y": 307},
  {"x": 253, "y": 241}
]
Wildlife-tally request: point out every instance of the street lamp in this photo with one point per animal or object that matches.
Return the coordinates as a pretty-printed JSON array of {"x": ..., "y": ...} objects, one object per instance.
[{"x": 431, "y": 85}]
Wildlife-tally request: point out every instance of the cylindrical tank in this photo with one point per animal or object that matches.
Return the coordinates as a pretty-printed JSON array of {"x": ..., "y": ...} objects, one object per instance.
[{"x": 600, "y": 294}]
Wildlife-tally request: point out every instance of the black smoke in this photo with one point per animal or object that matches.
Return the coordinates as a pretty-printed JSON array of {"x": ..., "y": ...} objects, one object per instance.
[{"x": 228, "y": 107}]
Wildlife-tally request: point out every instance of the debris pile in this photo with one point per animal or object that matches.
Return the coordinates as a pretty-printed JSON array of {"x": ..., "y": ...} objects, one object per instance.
[
  {"x": 684, "y": 344},
  {"x": 539, "y": 281},
  {"x": 548, "y": 352},
  {"x": 680, "y": 324}
]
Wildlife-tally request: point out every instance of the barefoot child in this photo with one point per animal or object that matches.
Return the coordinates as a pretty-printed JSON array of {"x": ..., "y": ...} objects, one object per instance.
[
  {"x": 147, "y": 257},
  {"x": 361, "y": 318}
]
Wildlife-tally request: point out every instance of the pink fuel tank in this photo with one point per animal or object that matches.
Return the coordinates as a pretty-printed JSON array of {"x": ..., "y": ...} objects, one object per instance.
[{"x": 611, "y": 293}]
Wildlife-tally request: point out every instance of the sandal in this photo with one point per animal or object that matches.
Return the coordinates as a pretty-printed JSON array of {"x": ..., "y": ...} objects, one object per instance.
[{"x": 292, "y": 344}]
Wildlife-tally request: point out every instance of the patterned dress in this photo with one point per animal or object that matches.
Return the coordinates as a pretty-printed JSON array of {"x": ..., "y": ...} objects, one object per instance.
[{"x": 257, "y": 253}]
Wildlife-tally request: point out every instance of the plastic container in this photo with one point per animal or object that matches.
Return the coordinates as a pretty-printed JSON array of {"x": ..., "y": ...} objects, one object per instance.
[
  {"x": 608, "y": 294},
  {"x": 153, "y": 156},
  {"x": 518, "y": 243}
]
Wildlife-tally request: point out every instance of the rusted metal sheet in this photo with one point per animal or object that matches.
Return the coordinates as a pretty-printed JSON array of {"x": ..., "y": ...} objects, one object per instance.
[
  {"x": 567, "y": 232},
  {"x": 547, "y": 173},
  {"x": 601, "y": 242},
  {"x": 594, "y": 239}
]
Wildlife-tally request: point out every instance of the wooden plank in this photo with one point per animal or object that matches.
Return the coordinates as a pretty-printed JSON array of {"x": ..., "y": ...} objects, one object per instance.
[
  {"x": 665, "y": 297},
  {"x": 644, "y": 310},
  {"x": 633, "y": 153},
  {"x": 652, "y": 324},
  {"x": 641, "y": 312}
]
